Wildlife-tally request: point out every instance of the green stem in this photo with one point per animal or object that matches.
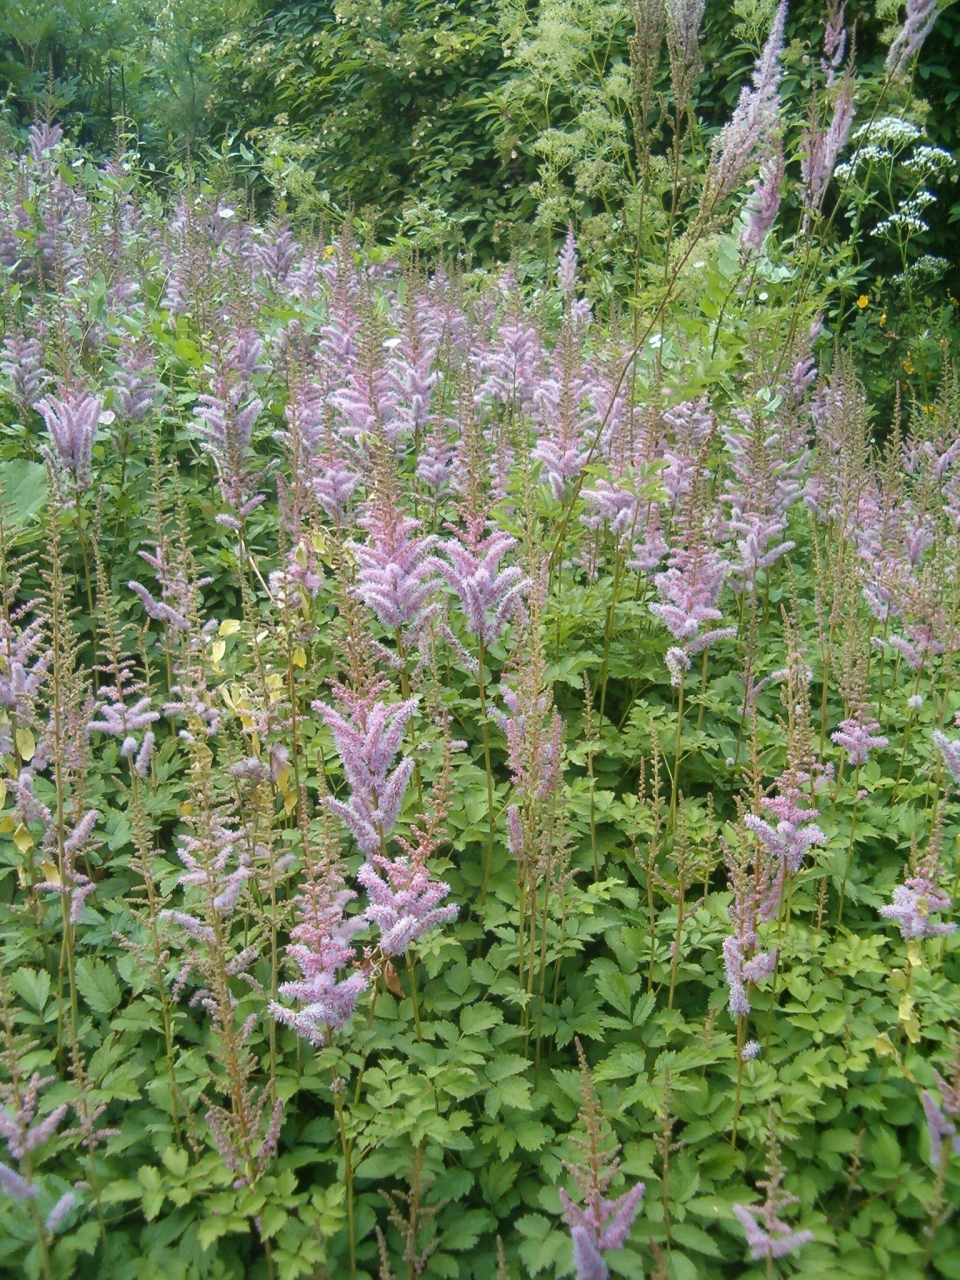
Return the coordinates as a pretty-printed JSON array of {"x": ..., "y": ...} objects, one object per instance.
[
  {"x": 488, "y": 860},
  {"x": 411, "y": 970}
]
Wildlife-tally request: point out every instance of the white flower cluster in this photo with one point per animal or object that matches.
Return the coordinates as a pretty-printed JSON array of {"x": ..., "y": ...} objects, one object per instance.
[
  {"x": 907, "y": 215},
  {"x": 890, "y": 131},
  {"x": 870, "y": 154},
  {"x": 926, "y": 268},
  {"x": 900, "y": 221},
  {"x": 927, "y": 161}
]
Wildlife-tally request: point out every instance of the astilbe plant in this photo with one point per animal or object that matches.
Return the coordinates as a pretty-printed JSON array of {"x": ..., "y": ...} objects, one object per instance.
[
  {"x": 598, "y": 1225},
  {"x": 768, "y": 1236},
  {"x": 360, "y": 805}
]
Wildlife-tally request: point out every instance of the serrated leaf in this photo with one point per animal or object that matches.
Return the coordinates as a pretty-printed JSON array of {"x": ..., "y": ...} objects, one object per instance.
[
  {"x": 23, "y": 493},
  {"x": 507, "y": 1064},
  {"x": 177, "y": 1161},
  {"x": 467, "y": 1229},
  {"x": 515, "y": 1093},
  {"x": 33, "y": 986},
  {"x": 271, "y": 1220},
  {"x": 479, "y": 1017},
  {"x": 97, "y": 984},
  {"x": 615, "y": 989},
  {"x": 531, "y": 1135}
]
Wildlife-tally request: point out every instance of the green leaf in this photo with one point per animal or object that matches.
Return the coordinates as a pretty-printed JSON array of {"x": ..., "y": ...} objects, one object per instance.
[
  {"x": 121, "y": 1189},
  {"x": 188, "y": 352},
  {"x": 32, "y": 986},
  {"x": 507, "y": 1064},
  {"x": 515, "y": 1093},
  {"x": 210, "y": 1230},
  {"x": 682, "y": 1267},
  {"x": 615, "y": 989},
  {"x": 693, "y": 1237},
  {"x": 479, "y": 1017},
  {"x": 272, "y": 1219},
  {"x": 469, "y": 1226},
  {"x": 531, "y": 1135},
  {"x": 23, "y": 491},
  {"x": 177, "y": 1161},
  {"x": 97, "y": 984}
]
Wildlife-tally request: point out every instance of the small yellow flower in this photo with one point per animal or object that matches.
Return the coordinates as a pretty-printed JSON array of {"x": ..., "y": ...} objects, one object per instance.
[
  {"x": 863, "y": 301},
  {"x": 908, "y": 366},
  {"x": 883, "y": 320}
]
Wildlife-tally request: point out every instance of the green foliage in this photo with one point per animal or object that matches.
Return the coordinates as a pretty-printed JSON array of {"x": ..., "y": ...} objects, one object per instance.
[
  {"x": 384, "y": 98},
  {"x": 448, "y": 1111}
]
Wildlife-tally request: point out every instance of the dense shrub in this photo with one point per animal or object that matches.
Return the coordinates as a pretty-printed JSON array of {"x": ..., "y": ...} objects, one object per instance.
[{"x": 478, "y": 772}]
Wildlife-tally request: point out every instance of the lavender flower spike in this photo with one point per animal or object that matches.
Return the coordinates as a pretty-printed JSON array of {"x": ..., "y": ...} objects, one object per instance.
[
  {"x": 72, "y": 423},
  {"x": 858, "y": 738},
  {"x": 917, "y": 25},
  {"x": 567, "y": 265},
  {"x": 914, "y": 903},
  {"x": 789, "y": 841},
  {"x": 939, "y": 1126},
  {"x": 822, "y": 147},
  {"x": 14, "y": 1186},
  {"x": 487, "y": 597},
  {"x": 396, "y": 574},
  {"x": 950, "y": 752},
  {"x": 776, "y": 1242},
  {"x": 60, "y": 1211},
  {"x": 405, "y": 904},
  {"x": 754, "y": 120},
  {"x": 321, "y": 949},
  {"x": 590, "y": 1233},
  {"x": 367, "y": 744},
  {"x": 764, "y": 202}
]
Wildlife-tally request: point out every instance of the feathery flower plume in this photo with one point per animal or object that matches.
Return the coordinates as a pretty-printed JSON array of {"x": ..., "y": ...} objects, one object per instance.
[
  {"x": 764, "y": 202},
  {"x": 917, "y": 25},
  {"x": 320, "y": 947},
  {"x": 919, "y": 899},
  {"x": 939, "y": 1127},
  {"x": 21, "y": 1131},
  {"x": 822, "y": 147},
  {"x": 942, "y": 1118},
  {"x": 136, "y": 384},
  {"x": 768, "y": 1236},
  {"x": 60, "y": 1212},
  {"x": 21, "y": 359},
  {"x": 14, "y": 1186},
  {"x": 683, "y": 46},
  {"x": 367, "y": 740},
  {"x": 834, "y": 38},
  {"x": 598, "y": 1225},
  {"x": 396, "y": 575},
  {"x": 44, "y": 139},
  {"x": 434, "y": 460},
  {"x": 950, "y": 750},
  {"x": 754, "y": 899},
  {"x": 208, "y": 861},
  {"x": 753, "y": 123},
  {"x": 72, "y": 423},
  {"x": 858, "y": 737},
  {"x": 689, "y": 590},
  {"x": 567, "y": 266},
  {"x": 793, "y": 835},
  {"x": 512, "y": 365},
  {"x": 404, "y": 903},
  {"x": 488, "y": 594}
]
